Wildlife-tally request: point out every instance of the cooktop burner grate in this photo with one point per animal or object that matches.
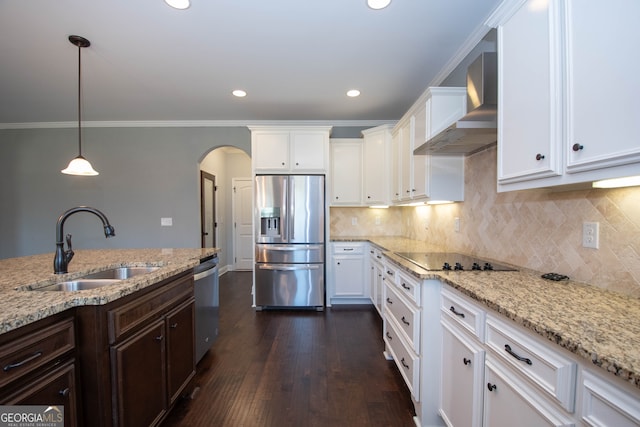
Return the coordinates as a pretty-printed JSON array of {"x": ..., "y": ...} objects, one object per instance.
[{"x": 434, "y": 261}]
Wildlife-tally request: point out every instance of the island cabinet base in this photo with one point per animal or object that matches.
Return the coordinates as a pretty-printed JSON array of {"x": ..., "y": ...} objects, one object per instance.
[
  {"x": 137, "y": 354},
  {"x": 39, "y": 366}
]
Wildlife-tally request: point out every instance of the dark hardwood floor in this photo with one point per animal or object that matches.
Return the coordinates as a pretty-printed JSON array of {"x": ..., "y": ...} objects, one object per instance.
[{"x": 294, "y": 368}]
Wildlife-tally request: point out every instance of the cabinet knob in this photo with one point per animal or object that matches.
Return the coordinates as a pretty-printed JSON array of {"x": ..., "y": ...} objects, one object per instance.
[
  {"x": 389, "y": 336},
  {"x": 404, "y": 363},
  {"x": 466, "y": 361},
  {"x": 491, "y": 387},
  {"x": 173, "y": 325},
  {"x": 368, "y": 197},
  {"x": 338, "y": 263},
  {"x": 282, "y": 163},
  {"x": 577, "y": 147},
  {"x": 539, "y": 156},
  {"x": 337, "y": 197},
  {"x": 389, "y": 301},
  {"x": 297, "y": 164},
  {"x": 65, "y": 392},
  {"x": 159, "y": 338}
]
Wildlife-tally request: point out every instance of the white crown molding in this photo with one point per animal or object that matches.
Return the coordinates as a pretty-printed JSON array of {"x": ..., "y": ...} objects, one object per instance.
[{"x": 195, "y": 123}]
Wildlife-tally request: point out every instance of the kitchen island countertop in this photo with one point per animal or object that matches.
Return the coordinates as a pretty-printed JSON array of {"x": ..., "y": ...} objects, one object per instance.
[
  {"x": 597, "y": 325},
  {"x": 19, "y": 305}
]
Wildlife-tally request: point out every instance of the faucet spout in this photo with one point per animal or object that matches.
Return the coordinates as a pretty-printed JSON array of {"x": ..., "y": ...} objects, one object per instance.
[{"x": 62, "y": 257}]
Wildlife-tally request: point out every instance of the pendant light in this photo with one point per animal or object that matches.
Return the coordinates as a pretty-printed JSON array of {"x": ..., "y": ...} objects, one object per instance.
[{"x": 79, "y": 165}]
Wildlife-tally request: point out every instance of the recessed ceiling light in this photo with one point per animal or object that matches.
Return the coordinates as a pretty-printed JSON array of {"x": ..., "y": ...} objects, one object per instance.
[
  {"x": 178, "y": 4},
  {"x": 353, "y": 93},
  {"x": 378, "y": 4},
  {"x": 239, "y": 93}
]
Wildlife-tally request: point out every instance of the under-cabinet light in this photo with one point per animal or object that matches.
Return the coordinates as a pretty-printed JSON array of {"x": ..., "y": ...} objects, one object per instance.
[
  {"x": 440, "y": 202},
  {"x": 628, "y": 181},
  {"x": 379, "y": 207}
]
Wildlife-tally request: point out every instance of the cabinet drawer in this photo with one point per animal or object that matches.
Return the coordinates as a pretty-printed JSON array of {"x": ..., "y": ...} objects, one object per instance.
[
  {"x": 464, "y": 313},
  {"x": 389, "y": 273},
  {"x": 409, "y": 287},
  {"x": 407, "y": 361},
  {"x": 150, "y": 306},
  {"x": 56, "y": 387},
  {"x": 554, "y": 373},
  {"x": 606, "y": 404},
  {"x": 24, "y": 355},
  {"x": 348, "y": 248},
  {"x": 407, "y": 318}
]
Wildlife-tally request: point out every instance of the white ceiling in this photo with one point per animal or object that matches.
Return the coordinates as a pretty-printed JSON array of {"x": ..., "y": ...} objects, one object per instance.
[{"x": 295, "y": 58}]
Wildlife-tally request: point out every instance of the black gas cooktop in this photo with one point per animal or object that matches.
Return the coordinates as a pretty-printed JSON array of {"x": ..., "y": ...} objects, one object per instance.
[{"x": 433, "y": 261}]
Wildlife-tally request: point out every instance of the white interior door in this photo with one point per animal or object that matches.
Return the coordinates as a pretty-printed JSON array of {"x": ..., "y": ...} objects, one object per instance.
[{"x": 242, "y": 223}]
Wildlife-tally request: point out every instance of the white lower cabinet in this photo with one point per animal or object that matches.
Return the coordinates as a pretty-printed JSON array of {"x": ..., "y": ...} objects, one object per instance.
[
  {"x": 496, "y": 373},
  {"x": 510, "y": 401},
  {"x": 461, "y": 391},
  {"x": 606, "y": 404},
  {"x": 348, "y": 284},
  {"x": 376, "y": 270}
]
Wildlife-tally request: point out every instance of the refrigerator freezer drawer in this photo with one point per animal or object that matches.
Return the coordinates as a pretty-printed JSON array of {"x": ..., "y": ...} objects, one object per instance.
[
  {"x": 289, "y": 285},
  {"x": 288, "y": 254}
]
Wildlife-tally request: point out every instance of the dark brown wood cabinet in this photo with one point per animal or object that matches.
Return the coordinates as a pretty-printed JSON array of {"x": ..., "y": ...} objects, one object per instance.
[
  {"x": 39, "y": 368},
  {"x": 137, "y": 354}
]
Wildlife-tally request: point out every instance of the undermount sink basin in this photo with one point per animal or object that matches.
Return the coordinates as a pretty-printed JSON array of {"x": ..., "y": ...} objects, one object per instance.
[
  {"x": 120, "y": 273},
  {"x": 78, "y": 285},
  {"x": 98, "y": 279}
]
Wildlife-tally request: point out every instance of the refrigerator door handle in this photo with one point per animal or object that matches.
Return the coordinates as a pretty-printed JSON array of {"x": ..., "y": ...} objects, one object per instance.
[
  {"x": 287, "y": 267},
  {"x": 289, "y": 247}
]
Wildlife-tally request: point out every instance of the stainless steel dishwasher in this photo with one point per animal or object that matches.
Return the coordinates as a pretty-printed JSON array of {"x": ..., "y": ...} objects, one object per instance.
[{"x": 207, "y": 286}]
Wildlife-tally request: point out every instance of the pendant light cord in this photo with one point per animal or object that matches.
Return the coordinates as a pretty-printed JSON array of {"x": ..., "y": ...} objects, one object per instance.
[{"x": 79, "y": 107}]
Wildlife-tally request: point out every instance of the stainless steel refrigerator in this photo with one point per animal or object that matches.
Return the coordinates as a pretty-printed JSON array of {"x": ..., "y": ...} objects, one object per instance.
[{"x": 290, "y": 236}]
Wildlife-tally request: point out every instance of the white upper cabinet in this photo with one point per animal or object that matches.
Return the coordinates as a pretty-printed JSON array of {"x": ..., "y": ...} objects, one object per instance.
[
  {"x": 346, "y": 172},
  {"x": 603, "y": 113},
  {"x": 567, "y": 85},
  {"x": 377, "y": 164},
  {"x": 290, "y": 149},
  {"x": 529, "y": 76}
]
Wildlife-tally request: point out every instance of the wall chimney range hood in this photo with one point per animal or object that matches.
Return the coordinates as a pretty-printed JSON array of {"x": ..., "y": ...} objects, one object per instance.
[{"x": 478, "y": 128}]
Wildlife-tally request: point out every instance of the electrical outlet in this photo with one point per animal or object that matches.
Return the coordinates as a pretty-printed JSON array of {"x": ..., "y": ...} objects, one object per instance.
[
  {"x": 354, "y": 220},
  {"x": 591, "y": 235},
  {"x": 166, "y": 222},
  {"x": 456, "y": 224},
  {"x": 377, "y": 220}
]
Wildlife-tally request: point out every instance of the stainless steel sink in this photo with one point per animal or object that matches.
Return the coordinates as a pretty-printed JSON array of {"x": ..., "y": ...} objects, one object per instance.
[
  {"x": 78, "y": 285},
  {"x": 120, "y": 273},
  {"x": 98, "y": 279}
]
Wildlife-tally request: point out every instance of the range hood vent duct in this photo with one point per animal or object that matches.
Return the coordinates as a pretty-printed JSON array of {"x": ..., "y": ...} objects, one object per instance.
[{"x": 478, "y": 128}]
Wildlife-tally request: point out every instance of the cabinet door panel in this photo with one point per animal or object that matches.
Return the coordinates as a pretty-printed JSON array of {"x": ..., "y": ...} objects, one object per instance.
[
  {"x": 603, "y": 84},
  {"x": 308, "y": 151},
  {"x": 462, "y": 378},
  {"x": 57, "y": 387},
  {"x": 376, "y": 159},
  {"x": 529, "y": 68},
  {"x": 181, "y": 366},
  {"x": 271, "y": 150},
  {"x": 509, "y": 401},
  {"x": 349, "y": 276},
  {"x": 139, "y": 377},
  {"x": 346, "y": 173}
]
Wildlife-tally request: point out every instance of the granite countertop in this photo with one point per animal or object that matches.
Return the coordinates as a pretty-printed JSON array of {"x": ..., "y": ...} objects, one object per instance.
[
  {"x": 597, "y": 325},
  {"x": 20, "y": 305}
]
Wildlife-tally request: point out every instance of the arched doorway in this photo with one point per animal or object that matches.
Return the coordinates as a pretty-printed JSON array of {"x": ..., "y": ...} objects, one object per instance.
[{"x": 227, "y": 167}]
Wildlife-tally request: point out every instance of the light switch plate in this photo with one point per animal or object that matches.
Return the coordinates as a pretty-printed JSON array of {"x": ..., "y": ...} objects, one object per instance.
[{"x": 166, "y": 222}]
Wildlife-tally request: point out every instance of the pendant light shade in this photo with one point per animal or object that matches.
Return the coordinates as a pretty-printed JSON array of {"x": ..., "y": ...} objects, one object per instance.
[{"x": 79, "y": 165}]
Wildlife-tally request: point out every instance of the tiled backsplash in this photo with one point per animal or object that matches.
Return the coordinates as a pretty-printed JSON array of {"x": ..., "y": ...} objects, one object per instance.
[{"x": 537, "y": 229}]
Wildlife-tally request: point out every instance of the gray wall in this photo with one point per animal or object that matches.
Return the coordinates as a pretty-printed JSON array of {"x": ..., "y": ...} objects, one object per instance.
[{"x": 145, "y": 174}]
